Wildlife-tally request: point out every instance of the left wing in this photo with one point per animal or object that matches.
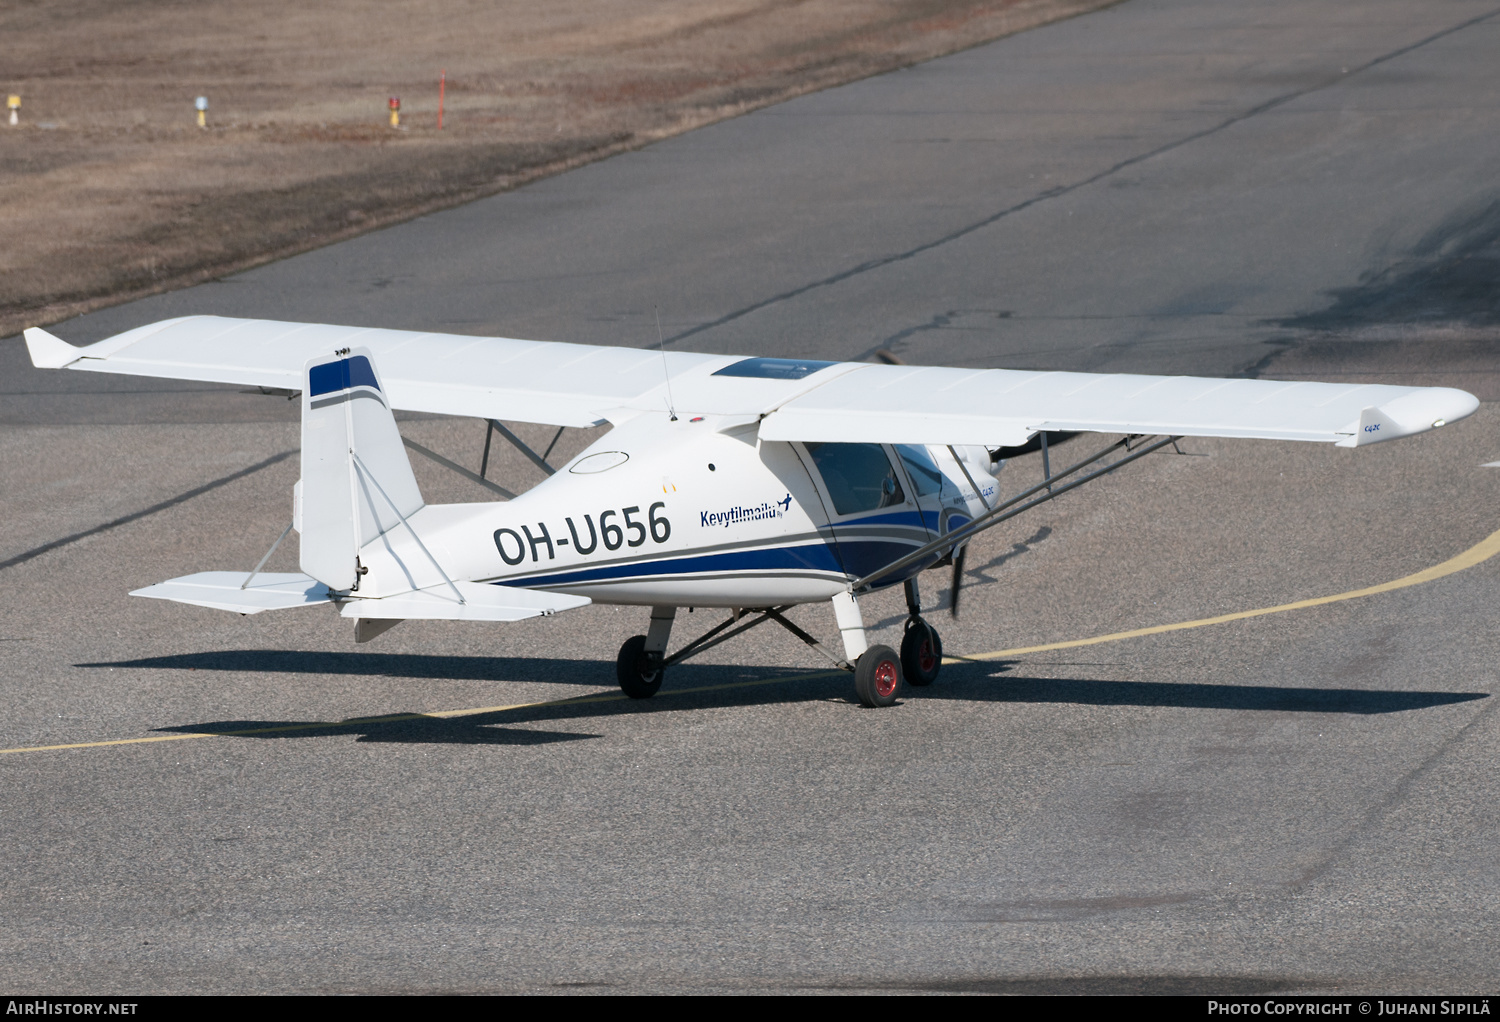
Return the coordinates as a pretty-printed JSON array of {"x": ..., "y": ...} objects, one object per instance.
[{"x": 447, "y": 374}]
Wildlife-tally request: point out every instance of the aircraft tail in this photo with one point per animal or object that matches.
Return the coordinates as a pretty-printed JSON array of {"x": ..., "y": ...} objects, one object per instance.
[
  {"x": 357, "y": 485},
  {"x": 357, "y": 482}
]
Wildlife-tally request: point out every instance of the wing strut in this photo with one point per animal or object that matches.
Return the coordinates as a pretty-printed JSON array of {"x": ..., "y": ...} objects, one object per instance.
[
  {"x": 456, "y": 467},
  {"x": 958, "y": 562},
  {"x": 539, "y": 460},
  {"x": 1008, "y": 509},
  {"x": 490, "y": 429}
]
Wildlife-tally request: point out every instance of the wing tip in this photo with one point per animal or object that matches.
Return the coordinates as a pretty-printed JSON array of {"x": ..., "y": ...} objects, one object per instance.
[
  {"x": 1421, "y": 410},
  {"x": 47, "y": 351}
]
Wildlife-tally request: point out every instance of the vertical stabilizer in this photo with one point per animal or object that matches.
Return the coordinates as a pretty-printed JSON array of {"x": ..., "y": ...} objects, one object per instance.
[{"x": 355, "y": 473}]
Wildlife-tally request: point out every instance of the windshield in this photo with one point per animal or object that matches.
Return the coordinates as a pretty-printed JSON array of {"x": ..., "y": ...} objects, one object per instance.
[{"x": 926, "y": 479}]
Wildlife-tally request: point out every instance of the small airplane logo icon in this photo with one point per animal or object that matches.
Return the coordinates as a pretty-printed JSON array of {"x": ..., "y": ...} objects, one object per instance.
[{"x": 786, "y": 503}]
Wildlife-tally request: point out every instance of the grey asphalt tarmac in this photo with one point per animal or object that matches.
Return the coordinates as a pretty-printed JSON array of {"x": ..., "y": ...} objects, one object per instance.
[{"x": 1302, "y": 801}]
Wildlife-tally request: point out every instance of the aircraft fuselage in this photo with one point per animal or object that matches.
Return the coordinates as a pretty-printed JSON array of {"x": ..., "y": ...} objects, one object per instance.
[{"x": 662, "y": 512}]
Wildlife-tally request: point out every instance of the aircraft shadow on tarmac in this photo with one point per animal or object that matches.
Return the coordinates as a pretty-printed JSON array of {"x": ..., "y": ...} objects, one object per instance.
[
  {"x": 709, "y": 685},
  {"x": 398, "y": 728},
  {"x": 435, "y": 667},
  {"x": 1198, "y": 695}
]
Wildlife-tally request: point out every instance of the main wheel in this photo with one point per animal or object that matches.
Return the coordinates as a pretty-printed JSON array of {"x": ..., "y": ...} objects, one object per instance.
[
  {"x": 877, "y": 676},
  {"x": 639, "y": 671},
  {"x": 921, "y": 652}
]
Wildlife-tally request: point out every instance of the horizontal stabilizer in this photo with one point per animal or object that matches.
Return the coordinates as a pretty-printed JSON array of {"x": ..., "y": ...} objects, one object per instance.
[
  {"x": 221, "y": 590},
  {"x": 49, "y": 352},
  {"x": 481, "y": 602}
]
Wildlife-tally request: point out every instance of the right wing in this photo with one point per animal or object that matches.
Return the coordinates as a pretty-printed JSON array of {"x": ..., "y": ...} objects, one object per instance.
[{"x": 1005, "y": 407}]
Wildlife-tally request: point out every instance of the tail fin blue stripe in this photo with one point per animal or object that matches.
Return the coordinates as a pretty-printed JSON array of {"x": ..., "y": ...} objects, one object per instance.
[{"x": 341, "y": 375}]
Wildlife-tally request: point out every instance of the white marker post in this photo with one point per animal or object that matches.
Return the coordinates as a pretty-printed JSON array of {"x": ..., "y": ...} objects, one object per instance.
[
  {"x": 202, "y": 104},
  {"x": 14, "y": 103}
]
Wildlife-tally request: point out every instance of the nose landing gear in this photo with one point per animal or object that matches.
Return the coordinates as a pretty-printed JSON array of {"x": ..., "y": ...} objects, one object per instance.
[
  {"x": 921, "y": 647},
  {"x": 921, "y": 652}
]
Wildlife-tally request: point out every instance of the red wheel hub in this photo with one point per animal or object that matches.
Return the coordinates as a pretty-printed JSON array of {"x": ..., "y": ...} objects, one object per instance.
[
  {"x": 925, "y": 657},
  {"x": 885, "y": 678}
]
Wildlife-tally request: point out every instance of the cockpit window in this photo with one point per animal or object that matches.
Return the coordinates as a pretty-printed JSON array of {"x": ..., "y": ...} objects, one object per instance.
[
  {"x": 926, "y": 479},
  {"x": 859, "y": 477}
]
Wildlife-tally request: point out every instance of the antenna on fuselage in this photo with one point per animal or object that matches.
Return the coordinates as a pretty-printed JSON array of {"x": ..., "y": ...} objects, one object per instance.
[{"x": 661, "y": 345}]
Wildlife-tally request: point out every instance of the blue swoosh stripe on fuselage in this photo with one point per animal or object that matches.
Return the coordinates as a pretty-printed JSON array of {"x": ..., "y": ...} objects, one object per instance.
[
  {"x": 912, "y": 518},
  {"x": 932, "y": 521},
  {"x": 929, "y": 520},
  {"x": 817, "y": 558},
  {"x": 862, "y": 556}
]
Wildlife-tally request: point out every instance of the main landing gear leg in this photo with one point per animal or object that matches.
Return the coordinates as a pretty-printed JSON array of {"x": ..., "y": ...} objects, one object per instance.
[
  {"x": 639, "y": 666},
  {"x": 660, "y": 630},
  {"x": 851, "y": 626},
  {"x": 921, "y": 648},
  {"x": 877, "y": 669}
]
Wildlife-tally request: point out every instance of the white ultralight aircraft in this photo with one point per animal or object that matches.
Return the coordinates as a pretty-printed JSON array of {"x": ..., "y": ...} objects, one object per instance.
[{"x": 753, "y": 484}]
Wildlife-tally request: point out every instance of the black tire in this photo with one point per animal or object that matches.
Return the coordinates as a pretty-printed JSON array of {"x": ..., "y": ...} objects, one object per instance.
[
  {"x": 639, "y": 672},
  {"x": 877, "y": 676},
  {"x": 921, "y": 653}
]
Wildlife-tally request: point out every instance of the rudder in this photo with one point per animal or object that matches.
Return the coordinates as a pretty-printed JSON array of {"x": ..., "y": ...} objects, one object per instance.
[{"x": 357, "y": 481}]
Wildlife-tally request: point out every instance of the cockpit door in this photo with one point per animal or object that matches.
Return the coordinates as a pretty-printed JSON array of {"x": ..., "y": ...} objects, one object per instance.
[{"x": 873, "y": 518}]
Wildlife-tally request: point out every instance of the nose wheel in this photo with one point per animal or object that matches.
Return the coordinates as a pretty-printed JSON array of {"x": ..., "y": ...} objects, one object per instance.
[
  {"x": 921, "y": 652},
  {"x": 638, "y": 670}
]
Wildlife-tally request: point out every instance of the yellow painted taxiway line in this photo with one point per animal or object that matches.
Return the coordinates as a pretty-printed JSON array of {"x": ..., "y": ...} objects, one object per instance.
[{"x": 1476, "y": 554}]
